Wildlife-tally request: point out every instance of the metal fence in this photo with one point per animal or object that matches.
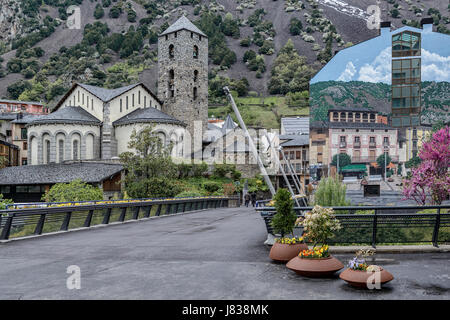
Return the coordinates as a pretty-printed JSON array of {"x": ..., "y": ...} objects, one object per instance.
[
  {"x": 382, "y": 224},
  {"x": 62, "y": 217}
]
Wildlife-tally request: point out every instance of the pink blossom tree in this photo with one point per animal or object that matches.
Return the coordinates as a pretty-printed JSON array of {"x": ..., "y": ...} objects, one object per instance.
[{"x": 430, "y": 182}]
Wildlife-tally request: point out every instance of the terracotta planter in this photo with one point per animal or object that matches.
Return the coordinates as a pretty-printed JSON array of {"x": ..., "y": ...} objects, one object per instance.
[
  {"x": 285, "y": 252},
  {"x": 315, "y": 268},
  {"x": 358, "y": 278}
]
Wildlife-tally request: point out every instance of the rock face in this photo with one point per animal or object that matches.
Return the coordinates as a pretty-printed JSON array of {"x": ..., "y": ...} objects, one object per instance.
[{"x": 10, "y": 25}]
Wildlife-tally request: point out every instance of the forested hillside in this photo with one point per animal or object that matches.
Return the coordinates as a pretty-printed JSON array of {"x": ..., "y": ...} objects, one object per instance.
[{"x": 249, "y": 43}]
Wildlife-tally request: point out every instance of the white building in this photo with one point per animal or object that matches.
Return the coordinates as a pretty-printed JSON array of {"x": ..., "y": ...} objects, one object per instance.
[{"x": 96, "y": 123}]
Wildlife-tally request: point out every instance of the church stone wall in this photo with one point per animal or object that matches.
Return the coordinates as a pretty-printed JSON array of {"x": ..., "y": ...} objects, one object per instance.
[{"x": 70, "y": 132}]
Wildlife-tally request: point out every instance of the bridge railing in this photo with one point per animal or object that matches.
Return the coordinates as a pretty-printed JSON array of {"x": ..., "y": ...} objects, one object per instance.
[
  {"x": 382, "y": 224},
  {"x": 15, "y": 223}
]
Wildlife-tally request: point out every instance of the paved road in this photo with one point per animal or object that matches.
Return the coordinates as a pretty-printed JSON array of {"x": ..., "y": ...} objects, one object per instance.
[{"x": 204, "y": 255}]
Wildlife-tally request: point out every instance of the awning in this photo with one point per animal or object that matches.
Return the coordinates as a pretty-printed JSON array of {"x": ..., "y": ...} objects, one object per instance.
[
  {"x": 391, "y": 166},
  {"x": 354, "y": 168}
]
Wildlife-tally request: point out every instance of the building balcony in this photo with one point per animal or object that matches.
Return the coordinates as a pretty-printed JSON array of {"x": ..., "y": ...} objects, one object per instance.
[
  {"x": 357, "y": 145},
  {"x": 342, "y": 144},
  {"x": 365, "y": 159},
  {"x": 369, "y": 159},
  {"x": 372, "y": 144}
]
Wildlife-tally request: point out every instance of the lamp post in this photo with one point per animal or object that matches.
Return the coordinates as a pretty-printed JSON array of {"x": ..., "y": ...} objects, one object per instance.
[
  {"x": 386, "y": 149},
  {"x": 337, "y": 159}
]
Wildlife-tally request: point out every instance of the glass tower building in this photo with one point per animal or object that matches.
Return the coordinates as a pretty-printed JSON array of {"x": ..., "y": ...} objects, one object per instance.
[{"x": 406, "y": 79}]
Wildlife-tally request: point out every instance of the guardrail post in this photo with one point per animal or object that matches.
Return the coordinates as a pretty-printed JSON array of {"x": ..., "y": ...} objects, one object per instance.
[
  {"x": 7, "y": 228},
  {"x": 436, "y": 228},
  {"x": 374, "y": 229},
  {"x": 158, "y": 211},
  {"x": 148, "y": 209},
  {"x": 87, "y": 222},
  {"x": 107, "y": 216},
  {"x": 136, "y": 213},
  {"x": 65, "y": 224},
  {"x": 215, "y": 203},
  {"x": 40, "y": 225},
  {"x": 188, "y": 205},
  {"x": 169, "y": 207},
  {"x": 184, "y": 207},
  {"x": 123, "y": 214}
]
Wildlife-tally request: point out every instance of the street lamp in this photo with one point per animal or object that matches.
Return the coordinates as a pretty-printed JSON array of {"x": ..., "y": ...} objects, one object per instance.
[{"x": 386, "y": 150}]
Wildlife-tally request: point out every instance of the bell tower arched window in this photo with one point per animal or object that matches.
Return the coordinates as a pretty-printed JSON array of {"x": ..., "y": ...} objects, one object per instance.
[
  {"x": 171, "y": 51},
  {"x": 195, "y": 54},
  {"x": 171, "y": 83},
  {"x": 195, "y": 75}
]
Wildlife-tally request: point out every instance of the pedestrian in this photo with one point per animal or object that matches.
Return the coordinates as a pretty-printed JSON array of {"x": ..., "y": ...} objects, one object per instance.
[
  {"x": 253, "y": 196},
  {"x": 247, "y": 199}
]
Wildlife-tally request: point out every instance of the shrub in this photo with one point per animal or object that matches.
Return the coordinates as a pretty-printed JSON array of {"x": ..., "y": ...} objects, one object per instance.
[
  {"x": 295, "y": 26},
  {"x": 212, "y": 186},
  {"x": 283, "y": 221},
  {"x": 98, "y": 12},
  {"x": 184, "y": 169},
  {"x": 331, "y": 193},
  {"x": 198, "y": 170},
  {"x": 4, "y": 202},
  {"x": 229, "y": 189},
  {"x": 188, "y": 194},
  {"x": 320, "y": 224},
  {"x": 267, "y": 48},
  {"x": 246, "y": 42},
  {"x": 236, "y": 175},
  {"x": 76, "y": 190},
  {"x": 249, "y": 55},
  {"x": 221, "y": 170}
]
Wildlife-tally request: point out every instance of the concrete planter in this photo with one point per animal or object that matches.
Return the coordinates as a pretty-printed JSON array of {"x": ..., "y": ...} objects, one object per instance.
[
  {"x": 315, "y": 268},
  {"x": 358, "y": 278},
  {"x": 285, "y": 252}
]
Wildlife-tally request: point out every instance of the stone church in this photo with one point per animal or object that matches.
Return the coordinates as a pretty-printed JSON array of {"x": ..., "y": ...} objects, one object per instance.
[{"x": 96, "y": 123}]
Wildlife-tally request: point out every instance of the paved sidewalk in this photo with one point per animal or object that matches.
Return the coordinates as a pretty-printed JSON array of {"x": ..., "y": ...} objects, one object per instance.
[{"x": 216, "y": 254}]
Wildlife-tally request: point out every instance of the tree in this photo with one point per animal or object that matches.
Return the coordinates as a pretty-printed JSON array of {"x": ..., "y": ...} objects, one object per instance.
[
  {"x": 283, "y": 221},
  {"x": 344, "y": 160},
  {"x": 115, "y": 11},
  {"x": 381, "y": 161},
  {"x": 16, "y": 89},
  {"x": 290, "y": 71},
  {"x": 414, "y": 162},
  {"x": 131, "y": 15},
  {"x": 430, "y": 182},
  {"x": 76, "y": 190},
  {"x": 249, "y": 55},
  {"x": 395, "y": 13},
  {"x": 150, "y": 170},
  {"x": 295, "y": 27},
  {"x": 331, "y": 193},
  {"x": 242, "y": 87},
  {"x": 98, "y": 12}
]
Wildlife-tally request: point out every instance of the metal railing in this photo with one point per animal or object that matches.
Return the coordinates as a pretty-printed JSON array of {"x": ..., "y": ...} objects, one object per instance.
[
  {"x": 35, "y": 221},
  {"x": 382, "y": 224}
]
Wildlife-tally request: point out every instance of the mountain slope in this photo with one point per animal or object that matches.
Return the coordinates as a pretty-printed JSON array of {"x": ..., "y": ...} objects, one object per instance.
[{"x": 344, "y": 22}]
